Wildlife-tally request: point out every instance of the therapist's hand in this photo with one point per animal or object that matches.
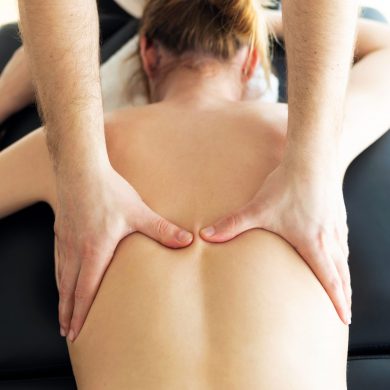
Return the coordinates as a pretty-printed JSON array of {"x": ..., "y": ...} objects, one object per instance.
[
  {"x": 94, "y": 212},
  {"x": 307, "y": 209}
]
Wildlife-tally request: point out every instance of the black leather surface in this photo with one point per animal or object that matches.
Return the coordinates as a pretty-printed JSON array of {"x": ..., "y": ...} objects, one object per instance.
[
  {"x": 29, "y": 332},
  {"x": 369, "y": 373},
  {"x": 61, "y": 383},
  {"x": 367, "y": 195}
]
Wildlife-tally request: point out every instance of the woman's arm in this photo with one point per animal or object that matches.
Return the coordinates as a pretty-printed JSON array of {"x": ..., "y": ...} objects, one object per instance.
[
  {"x": 16, "y": 89},
  {"x": 367, "y": 114},
  {"x": 26, "y": 174}
]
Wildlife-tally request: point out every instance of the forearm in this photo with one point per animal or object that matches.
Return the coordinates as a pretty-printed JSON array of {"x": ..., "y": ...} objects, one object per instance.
[
  {"x": 319, "y": 37},
  {"x": 65, "y": 68}
]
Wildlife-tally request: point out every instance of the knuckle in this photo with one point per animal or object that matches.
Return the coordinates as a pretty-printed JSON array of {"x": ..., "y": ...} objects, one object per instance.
[
  {"x": 65, "y": 292},
  {"x": 320, "y": 239},
  {"x": 162, "y": 226},
  {"x": 334, "y": 284},
  {"x": 232, "y": 221},
  {"x": 310, "y": 245},
  {"x": 89, "y": 250},
  {"x": 81, "y": 294}
]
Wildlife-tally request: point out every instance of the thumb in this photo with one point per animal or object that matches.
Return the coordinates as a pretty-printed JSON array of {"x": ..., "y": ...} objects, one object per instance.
[
  {"x": 231, "y": 226},
  {"x": 160, "y": 229}
]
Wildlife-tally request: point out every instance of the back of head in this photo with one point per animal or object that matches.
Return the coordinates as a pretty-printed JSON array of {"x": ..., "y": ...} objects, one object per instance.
[{"x": 218, "y": 28}]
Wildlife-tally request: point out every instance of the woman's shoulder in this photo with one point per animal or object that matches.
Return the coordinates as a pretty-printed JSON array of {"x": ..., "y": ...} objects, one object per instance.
[
  {"x": 124, "y": 121},
  {"x": 131, "y": 130},
  {"x": 129, "y": 117},
  {"x": 131, "y": 125},
  {"x": 273, "y": 114}
]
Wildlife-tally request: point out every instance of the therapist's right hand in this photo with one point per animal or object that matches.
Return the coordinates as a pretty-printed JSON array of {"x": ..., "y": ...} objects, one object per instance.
[{"x": 95, "y": 210}]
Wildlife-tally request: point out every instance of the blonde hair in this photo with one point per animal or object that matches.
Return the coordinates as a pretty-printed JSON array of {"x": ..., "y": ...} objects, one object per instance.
[{"x": 218, "y": 28}]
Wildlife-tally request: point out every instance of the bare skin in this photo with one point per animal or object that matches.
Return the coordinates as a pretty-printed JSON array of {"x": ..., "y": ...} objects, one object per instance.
[
  {"x": 222, "y": 315},
  {"x": 203, "y": 311},
  {"x": 317, "y": 81},
  {"x": 75, "y": 133},
  {"x": 86, "y": 239}
]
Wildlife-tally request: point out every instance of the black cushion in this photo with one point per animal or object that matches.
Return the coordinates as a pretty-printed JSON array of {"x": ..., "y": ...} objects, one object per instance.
[
  {"x": 29, "y": 332},
  {"x": 369, "y": 373},
  {"x": 60, "y": 383},
  {"x": 367, "y": 195}
]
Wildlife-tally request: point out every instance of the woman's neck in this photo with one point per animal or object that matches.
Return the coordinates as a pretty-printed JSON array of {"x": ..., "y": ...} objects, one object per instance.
[{"x": 207, "y": 87}]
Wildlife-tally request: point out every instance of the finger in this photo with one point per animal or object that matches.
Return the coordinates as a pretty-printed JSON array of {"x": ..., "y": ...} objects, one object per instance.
[
  {"x": 60, "y": 263},
  {"x": 342, "y": 258},
  {"x": 342, "y": 238},
  {"x": 231, "y": 226},
  {"x": 343, "y": 270},
  {"x": 160, "y": 229},
  {"x": 323, "y": 266},
  {"x": 66, "y": 292},
  {"x": 57, "y": 269},
  {"x": 89, "y": 279}
]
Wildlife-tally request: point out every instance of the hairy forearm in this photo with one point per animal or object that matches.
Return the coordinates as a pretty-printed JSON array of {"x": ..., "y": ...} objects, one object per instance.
[
  {"x": 319, "y": 37},
  {"x": 62, "y": 43},
  {"x": 367, "y": 116}
]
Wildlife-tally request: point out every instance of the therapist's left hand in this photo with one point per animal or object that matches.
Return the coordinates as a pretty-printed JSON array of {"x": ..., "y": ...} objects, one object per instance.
[{"x": 307, "y": 209}]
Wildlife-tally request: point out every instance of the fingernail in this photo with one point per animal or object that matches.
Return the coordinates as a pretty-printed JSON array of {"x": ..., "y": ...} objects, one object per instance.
[
  {"x": 184, "y": 236},
  {"x": 209, "y": 231},
  {"x": 71, "y": 335},
  {"x": 348, "y": 318},
  {"x": 62, "y": 332}
]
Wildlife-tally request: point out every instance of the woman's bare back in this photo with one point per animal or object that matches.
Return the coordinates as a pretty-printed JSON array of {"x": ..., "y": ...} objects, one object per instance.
[{"x": 246, "y": 314}]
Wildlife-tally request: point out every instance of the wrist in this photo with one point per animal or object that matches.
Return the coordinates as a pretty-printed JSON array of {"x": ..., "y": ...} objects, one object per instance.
[
  {"x": 326, "y": 165},
  {"x": 84, "y": 174},
  {"x": 78, "y": 156},
  {"x": 316, "y": 137},
  {"x": 77, "y": 142},
  {"x": 81, "y": 164}
]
